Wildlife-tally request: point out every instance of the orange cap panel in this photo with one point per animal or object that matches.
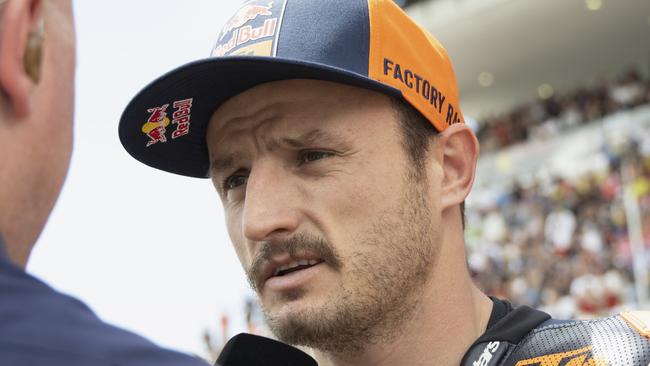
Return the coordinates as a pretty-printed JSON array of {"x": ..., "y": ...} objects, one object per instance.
[{"x": 407, "y": 57}]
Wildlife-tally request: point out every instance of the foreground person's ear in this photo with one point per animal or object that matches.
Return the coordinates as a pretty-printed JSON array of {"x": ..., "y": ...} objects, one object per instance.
[{"x": 21, "y": 44}]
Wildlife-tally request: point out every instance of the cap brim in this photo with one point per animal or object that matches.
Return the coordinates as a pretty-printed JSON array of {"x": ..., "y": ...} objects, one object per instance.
[{"x": 210, "y": 83}]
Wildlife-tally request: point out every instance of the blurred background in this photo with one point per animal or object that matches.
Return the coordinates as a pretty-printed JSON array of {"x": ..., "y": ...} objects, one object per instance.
[{"x": 558, "y": 92}]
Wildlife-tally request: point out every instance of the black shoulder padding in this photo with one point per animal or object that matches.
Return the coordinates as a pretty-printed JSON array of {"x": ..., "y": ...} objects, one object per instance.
[{"x": 514, "y": 326}]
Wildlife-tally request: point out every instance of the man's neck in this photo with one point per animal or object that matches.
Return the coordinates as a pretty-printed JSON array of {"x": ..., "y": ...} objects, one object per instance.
[{"x": 450, "y": 317}]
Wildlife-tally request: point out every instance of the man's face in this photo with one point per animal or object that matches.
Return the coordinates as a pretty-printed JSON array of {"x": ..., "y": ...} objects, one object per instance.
[{"x": 336, "y": 232}]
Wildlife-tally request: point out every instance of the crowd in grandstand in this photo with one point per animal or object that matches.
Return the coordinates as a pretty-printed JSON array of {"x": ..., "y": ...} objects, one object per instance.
[
  {"x": 564, "y": 247},
  {"x": 547, "y": 117}
]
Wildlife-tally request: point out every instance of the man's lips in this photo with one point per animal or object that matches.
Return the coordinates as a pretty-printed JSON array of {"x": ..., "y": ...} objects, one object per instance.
[
  {"x": 282, "y": 262},
  {"x": 286, "y": 264}
]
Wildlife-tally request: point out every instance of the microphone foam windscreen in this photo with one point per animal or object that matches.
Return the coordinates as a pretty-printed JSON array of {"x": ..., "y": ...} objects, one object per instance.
[{"x": 250, "y": 350}]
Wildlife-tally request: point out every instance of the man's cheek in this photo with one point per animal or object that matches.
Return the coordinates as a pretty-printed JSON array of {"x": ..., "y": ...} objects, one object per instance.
[{"x": 351, "y": 203}]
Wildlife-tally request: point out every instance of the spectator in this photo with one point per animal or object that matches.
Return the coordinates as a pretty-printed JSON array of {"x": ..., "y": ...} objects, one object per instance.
[
  {"x": 586, "y": 268},
  {"x": 546, "y": 118}
]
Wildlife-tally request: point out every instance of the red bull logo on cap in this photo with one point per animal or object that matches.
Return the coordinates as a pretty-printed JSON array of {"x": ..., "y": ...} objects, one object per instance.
[
  {"x": 156, "y": 126},
  {"x": 253, "y": 30},
  {"x": 245, "y": 15}
]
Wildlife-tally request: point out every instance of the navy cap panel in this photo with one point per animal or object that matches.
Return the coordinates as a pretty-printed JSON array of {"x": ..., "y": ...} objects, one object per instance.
[
  {"x": 332, "y": 32},
  {"x": 209, "y": 83}
]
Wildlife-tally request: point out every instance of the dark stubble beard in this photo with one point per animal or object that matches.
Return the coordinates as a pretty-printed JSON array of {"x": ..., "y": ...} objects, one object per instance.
[{"x": 382, "y": 286}]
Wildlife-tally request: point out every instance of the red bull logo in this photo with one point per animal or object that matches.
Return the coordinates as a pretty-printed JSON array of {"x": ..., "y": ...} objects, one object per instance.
[
  {"x": 245, "y": 35},
  {"x": 156, "y": 126},
  {"x": 252, "y": 31},
  {"x": 244, "y": 15},
  {"x": 182, "y": 117}
]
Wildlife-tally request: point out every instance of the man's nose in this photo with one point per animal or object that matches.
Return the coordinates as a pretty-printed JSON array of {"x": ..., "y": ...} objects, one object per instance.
[{"x": 271, "y": 205}]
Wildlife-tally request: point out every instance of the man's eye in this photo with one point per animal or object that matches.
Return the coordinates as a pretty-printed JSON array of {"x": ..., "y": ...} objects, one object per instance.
[
  {"x": 234, "y": 181},
  {"x": 310, "y": 156}
]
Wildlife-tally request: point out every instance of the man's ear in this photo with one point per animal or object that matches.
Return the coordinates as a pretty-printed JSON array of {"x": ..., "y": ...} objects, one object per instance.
[
  {"x": 459, "y": 148},
  {"x": 20, "y": 21}
]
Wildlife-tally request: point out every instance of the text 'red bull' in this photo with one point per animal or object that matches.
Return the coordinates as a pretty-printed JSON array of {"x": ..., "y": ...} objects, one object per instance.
[
  {"x": 182, "y": 117},
  {"x": 156, "y": 126},
  {"x": 246, "y": 34},
  {"x": 245, "y": 15}
]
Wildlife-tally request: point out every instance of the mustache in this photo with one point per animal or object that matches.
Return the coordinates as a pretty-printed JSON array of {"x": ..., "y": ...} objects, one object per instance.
[{"x": 292, "y": 246}]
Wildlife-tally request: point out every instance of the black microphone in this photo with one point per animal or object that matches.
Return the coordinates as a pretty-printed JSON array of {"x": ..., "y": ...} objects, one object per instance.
[{"x": 251, "y": 350}]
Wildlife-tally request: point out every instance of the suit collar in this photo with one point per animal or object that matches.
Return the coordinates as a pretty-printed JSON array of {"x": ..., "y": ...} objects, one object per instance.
[{"x": 3, "y": 249}]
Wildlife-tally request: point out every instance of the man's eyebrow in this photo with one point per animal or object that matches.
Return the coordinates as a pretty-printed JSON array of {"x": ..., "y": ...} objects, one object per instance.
[
  {"x": 305, "y": 140},
  {"x": 220, "y": 164},
  {"x": 309, "y": 139}
]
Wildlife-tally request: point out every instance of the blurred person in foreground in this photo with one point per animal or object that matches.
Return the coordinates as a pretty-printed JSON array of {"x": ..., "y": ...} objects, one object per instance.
[
  {"x": 39, "y": 326},
  {"x": 332, "y": 133}
]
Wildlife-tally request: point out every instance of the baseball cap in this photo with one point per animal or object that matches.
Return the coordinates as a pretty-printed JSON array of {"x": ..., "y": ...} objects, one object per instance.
[{"x": 371, "y": 44}]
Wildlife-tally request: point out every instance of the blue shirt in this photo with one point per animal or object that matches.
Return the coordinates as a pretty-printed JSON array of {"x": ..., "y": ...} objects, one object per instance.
[{"x": 40, "y": 326}]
